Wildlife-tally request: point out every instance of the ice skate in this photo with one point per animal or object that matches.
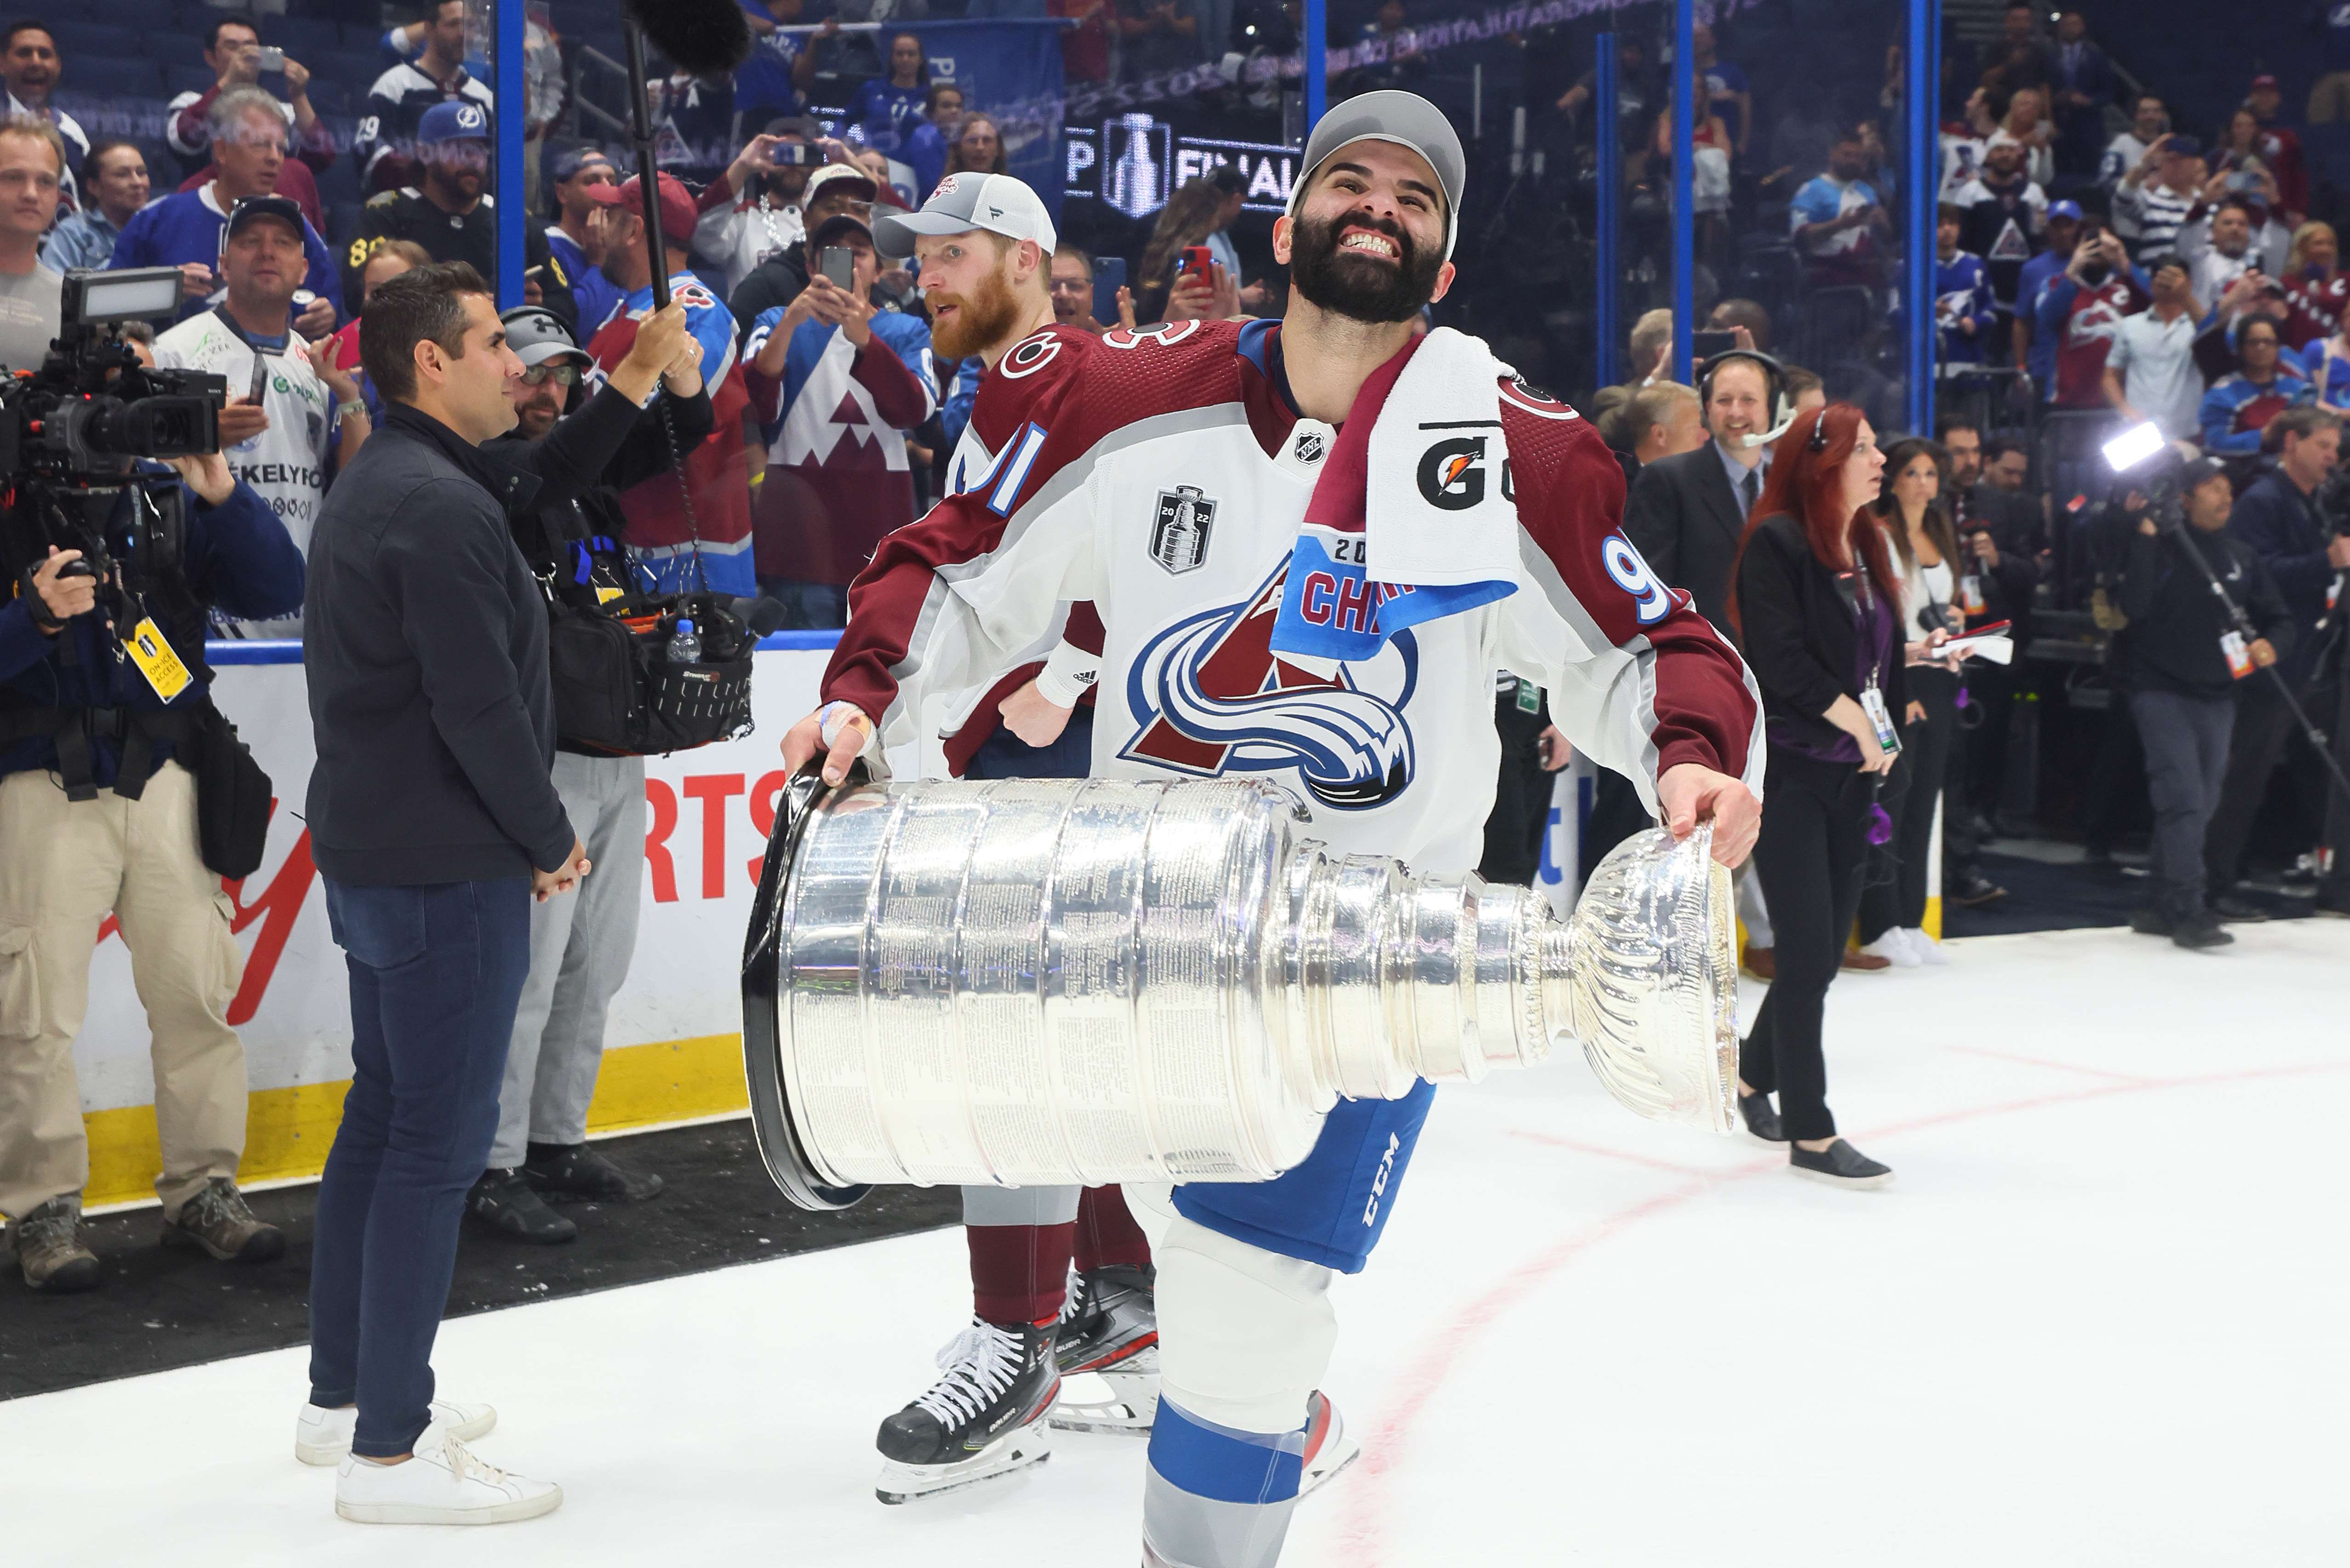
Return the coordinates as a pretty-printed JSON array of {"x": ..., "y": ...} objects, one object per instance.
[
  {"x": 983, "y": 1418},
  {"x": 1110, "y": 1328},
  {"x": 1328, "y": 1447}
]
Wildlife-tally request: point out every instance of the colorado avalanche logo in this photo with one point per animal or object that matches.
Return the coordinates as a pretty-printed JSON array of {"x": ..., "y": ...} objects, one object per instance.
[{"x": 1213, "y": 698}]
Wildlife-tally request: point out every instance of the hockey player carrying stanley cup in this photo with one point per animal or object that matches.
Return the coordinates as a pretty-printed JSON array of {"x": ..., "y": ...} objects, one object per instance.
[{"x": 1310, "y": 543}]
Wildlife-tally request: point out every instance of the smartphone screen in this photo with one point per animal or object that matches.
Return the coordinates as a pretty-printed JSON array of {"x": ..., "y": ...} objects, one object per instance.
[
  {"x": 1109, "y": 277},
  {"x": 839, "y": 265},
  {"x": 272, "y": 58},
  {"x": 1706, "y": 345}
]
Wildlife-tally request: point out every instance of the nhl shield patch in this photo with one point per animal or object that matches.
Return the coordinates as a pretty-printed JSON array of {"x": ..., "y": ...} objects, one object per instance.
[{"x": 1179, "y": 537}]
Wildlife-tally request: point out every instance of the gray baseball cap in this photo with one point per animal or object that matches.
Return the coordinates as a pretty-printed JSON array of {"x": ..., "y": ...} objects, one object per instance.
[
  {"x": 1405, "y": 118},
  {"x": 997, "y": 203},
  {"x": 537, "y": 335}
]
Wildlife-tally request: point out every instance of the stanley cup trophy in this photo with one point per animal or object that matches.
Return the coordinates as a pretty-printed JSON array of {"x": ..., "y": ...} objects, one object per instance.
[{"x": 1049, "y": 981}]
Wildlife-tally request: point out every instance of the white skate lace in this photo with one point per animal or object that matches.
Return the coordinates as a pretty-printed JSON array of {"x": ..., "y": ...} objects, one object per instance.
[
  {"x": 1072, "y": 1298},
  {"x": 980, "y": 1363}
]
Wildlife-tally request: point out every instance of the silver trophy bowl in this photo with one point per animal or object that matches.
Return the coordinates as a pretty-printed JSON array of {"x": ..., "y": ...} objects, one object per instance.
[{"x": 1029, "y": 982}]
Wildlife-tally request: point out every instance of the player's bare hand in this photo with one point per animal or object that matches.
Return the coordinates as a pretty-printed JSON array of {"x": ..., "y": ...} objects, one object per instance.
[
  {"x": 64, "y": 598},
  {"x": 1691, "y": 793},
  {"x": 850, "y": 731},
  {"x": 240, "y": 421},
  {"x": 1035, "y": 717}
]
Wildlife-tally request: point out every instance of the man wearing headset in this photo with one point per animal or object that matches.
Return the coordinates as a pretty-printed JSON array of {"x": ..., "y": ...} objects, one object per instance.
[
  {"x": 583, "y": 443},
  {"x": 1685, "y": 515}
]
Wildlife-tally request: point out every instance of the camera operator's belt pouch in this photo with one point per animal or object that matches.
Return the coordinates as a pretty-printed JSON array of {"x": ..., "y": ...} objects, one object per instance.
[{"x": 232, "y": 793}]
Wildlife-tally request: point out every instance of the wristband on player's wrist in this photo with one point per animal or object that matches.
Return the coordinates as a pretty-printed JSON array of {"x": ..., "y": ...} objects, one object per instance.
[{"x": 1068, "y": 671}]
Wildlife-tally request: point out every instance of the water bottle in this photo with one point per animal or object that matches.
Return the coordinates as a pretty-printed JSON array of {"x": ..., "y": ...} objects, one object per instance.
[{"x": 684, "y": 645}]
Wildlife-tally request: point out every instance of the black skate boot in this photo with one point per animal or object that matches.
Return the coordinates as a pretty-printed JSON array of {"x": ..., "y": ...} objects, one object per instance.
[
  {"x": 1110, "y": 1326},
  {"x": 983, "y": 1418}
]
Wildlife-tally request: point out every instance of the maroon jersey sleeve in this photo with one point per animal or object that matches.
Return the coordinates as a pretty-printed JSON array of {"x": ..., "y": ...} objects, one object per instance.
[
  {"x": 1637, "y": 677},
  {"x": 954, "y": 598}
]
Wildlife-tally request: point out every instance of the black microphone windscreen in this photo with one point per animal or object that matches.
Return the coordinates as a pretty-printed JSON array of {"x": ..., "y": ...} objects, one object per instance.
[
  {"x": 700, "y": 37},
  {"x": 764, "y": 614}
]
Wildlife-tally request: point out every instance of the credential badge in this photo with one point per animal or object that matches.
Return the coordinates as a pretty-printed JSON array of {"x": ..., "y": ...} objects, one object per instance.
[{"x": 1179, "y": 538}]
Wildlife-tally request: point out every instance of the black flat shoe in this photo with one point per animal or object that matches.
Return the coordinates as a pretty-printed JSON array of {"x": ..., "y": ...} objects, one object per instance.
[
  {"x": 502, "y": 1201},
  {"x": 2150, "y": 921},
  {"x": 2236, "y": 910},
  {"x": 577, "y": 1170},
  {"x": 1838, "y": 1165},
  {"x": 1761, "y": 1121}
]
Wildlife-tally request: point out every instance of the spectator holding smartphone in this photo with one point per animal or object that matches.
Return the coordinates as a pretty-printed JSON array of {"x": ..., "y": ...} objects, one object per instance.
[
  {"x": 836, "y": 387},
  {"x": 1191, "y": 215}
]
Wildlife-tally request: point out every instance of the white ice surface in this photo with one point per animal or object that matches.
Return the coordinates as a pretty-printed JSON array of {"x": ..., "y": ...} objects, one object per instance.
[{"x": 2099, "y": 1320}]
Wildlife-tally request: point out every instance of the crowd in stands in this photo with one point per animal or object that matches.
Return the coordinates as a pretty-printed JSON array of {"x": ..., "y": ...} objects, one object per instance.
[
  {"x": 2098, "y": 265},
  {"x": 2095, "y": 263}
]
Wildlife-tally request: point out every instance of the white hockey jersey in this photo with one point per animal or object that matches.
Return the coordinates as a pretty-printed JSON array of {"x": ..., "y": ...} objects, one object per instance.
[{"x": 1163, "y": 475}]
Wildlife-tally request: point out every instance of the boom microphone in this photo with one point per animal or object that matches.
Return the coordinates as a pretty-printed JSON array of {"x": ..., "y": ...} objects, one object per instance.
[{"x": 700, "y": 37}]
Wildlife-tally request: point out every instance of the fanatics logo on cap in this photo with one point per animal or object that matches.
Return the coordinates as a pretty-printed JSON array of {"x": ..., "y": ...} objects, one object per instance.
[{"x": 1179, "y": 538}]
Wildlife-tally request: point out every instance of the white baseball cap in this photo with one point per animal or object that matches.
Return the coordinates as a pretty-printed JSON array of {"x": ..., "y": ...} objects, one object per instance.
[
  {"x": 997, "y": 203},
  {"x": 1405, "y": 118}
]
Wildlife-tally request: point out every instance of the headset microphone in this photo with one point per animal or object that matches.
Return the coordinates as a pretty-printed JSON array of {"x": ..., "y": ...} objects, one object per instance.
[{"x": 1774, "y": 383}]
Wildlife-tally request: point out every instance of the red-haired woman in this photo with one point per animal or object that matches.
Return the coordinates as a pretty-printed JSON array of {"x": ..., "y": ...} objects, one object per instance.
[{"x": 1817, "y": 606}]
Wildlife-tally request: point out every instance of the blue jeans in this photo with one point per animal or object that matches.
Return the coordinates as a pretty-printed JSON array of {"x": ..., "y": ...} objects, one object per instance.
[
  {"x": 815, "y": 607},
  {"x": 436, "y": 972}
]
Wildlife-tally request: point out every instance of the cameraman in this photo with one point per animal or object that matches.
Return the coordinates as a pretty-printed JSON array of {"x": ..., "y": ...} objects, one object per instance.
[
  {"x": 2305, "y": 554},
  {"x": 584, "y": 450},
  {"x": 99, "y": 816},
  {"x": 2187, "y": 664}
]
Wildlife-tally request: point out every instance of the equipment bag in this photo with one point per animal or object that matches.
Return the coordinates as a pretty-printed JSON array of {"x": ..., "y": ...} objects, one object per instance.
[{"x": 617, "y": 693}]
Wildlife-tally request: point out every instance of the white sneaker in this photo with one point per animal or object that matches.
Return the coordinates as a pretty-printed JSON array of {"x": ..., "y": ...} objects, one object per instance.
[
  {"x": 443, "y": 1483},
  {"x": 1895, "y": 948},
  {"x": 1928, "y": 950},
  {"x": 322, "y": 1437}
]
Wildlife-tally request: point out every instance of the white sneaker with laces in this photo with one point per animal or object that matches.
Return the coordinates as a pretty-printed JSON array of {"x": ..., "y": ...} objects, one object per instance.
[
  {"x": 322, "y": 1437},
  {"x": 1928, "y": 950},
  {"x": 442, "y": 1483},
  {"x": 1893, "y": 946}
]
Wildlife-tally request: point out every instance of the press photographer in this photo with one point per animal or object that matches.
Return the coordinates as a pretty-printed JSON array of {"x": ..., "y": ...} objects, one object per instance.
[
  {"x": 584, "y": 450},
  {"x": 2189, "y": 660},
  {"x": 122, "y": 789},
  {"x": 2282, "y": 517}
]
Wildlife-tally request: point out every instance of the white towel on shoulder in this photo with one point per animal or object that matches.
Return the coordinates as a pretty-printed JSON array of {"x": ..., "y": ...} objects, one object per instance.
[{"x": 1434, "y": 514}]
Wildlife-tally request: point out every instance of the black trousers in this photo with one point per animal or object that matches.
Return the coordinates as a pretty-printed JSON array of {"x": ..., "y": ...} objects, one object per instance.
[
  {"x": 2264, "y": 726},
  {"x": 2187, "y": 750},
  {"x": 1521, "y": 794},
  {"x": 1909, "y": 796},
  {"x": 1813, "y": 850}
]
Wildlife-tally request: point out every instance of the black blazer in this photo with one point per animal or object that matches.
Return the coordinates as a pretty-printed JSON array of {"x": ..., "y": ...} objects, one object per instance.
[
  {"x": 1682, "y": 518},
  {"x": 1801, "y": 639}
]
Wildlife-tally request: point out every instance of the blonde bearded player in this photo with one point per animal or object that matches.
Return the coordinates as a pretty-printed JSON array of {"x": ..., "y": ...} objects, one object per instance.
[{"x": 1311, "y": 545}]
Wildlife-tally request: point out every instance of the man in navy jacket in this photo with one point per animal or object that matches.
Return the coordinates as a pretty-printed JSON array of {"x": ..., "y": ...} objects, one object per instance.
[
  {"x": 2277, "y": 515},
  {"x": 97, "y": 817}
]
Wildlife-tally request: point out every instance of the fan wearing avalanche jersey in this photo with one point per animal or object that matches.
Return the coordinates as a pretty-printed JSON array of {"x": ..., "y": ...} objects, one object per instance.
[
  {"x": 697, "y": 535},
  {"x": 1176, "y": 478}
]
